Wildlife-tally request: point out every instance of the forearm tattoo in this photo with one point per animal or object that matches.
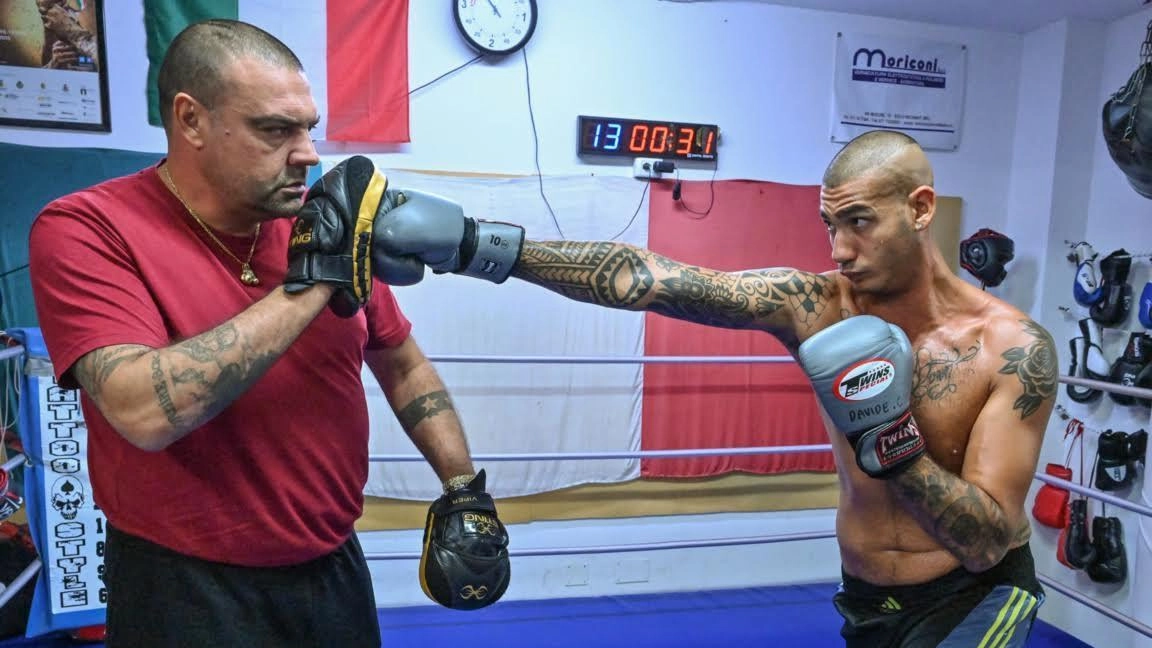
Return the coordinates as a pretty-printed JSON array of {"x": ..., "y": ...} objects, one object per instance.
[
  {"x": 210, "y": 370},
  {"x": 623, "y": 276},
  {"x": 1035, "y": 365},
  {"x": 424, "y": 407},
  {"x": 963, "y": 518},
  {"x": 163, "y": 396},
  {"x": 933, "y": 378},
  {"x": 93, "y": 370},
  {"x": 193, "y": 380}
]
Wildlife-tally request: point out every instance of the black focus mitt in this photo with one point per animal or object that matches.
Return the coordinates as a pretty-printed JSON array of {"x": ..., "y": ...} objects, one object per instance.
[{"x": 464, "y": 562}]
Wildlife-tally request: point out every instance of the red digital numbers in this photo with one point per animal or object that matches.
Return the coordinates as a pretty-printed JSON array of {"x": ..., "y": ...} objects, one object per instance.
[
  {"x": 642, "y": 138},
  {"x": 646, "y": 138}
]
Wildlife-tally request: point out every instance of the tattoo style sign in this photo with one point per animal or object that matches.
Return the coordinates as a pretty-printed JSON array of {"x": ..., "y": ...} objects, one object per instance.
[
  {"x": 67, "y": 526},
  {"x": 902, "y": 84}
]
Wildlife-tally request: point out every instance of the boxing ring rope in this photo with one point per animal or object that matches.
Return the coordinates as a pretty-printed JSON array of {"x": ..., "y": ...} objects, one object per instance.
[
  {"x": 632, "y": 548},
  {"x": 7, "y": 591},
  {"x": 1126, "y": 620},
  {"x": 30, "y": 571},
  {"x": 622, "y": 454}
]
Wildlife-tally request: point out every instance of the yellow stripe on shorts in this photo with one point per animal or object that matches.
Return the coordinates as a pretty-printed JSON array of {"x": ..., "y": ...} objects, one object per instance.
[{"x": 1019, "y": 605}]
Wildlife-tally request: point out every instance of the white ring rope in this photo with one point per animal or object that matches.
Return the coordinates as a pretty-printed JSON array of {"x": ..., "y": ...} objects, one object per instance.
[
  {"x": 32, "y": 569},
  {"x": 642, "y": 546},
  {"x": 673, "y": 359},
  {"x": 622, "y": 454}
]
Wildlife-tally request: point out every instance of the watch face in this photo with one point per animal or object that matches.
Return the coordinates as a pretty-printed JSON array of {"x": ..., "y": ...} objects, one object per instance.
[{"x": 496, "y": 26}]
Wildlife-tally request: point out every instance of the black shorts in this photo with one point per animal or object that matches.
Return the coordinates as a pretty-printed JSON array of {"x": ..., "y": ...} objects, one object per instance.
[
  {"x": 993, "y": 609},
  {"x": 160, "y": 598}
]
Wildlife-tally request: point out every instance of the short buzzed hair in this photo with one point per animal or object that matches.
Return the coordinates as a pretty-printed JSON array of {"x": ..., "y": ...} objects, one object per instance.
[
  {"x": 196, "y": 58},
  {"x": 872, "y": 152}
]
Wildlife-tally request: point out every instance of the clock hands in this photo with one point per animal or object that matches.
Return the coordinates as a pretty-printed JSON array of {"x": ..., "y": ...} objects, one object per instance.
[{"x": 494, "y": 9}]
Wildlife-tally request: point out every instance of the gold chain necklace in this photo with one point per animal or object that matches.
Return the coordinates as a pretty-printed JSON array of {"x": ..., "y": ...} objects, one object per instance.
[{"x": 247, "y": 276}]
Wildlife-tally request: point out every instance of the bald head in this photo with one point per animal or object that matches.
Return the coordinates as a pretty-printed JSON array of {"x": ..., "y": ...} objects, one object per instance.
[
  {"x": 893, "y": 158},
  {"x": 197, "y": 60}
]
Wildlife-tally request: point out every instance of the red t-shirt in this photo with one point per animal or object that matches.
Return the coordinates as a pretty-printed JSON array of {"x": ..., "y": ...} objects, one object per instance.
[{"x": 276, "y": 478}]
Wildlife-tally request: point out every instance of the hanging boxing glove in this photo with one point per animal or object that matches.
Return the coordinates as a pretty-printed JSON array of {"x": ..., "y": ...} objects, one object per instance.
[
  {"x": 1116, "y": 300},
  {"x": 1137, "y": 447},
  {"x": 1112, "y": 471},
  {"x": 1061, "y": 543},
  {"x": 1079, "y": 552},
  {"x": 1086, "y": 286},
  {"x": 1146, "y": 306},
  {"x": 1096, "y": 367},
  {"x": 1050, "y": 507},
  {"x": 1144, "y": 381},
  {"x": 1076, "y": 369},
  {"x": 1127, "y": 368},
  {"x": 1111, "y": 563}
]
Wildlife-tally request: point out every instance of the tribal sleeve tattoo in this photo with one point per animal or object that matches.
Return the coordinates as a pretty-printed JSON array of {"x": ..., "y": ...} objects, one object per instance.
[{"x": 628, "y": 277}]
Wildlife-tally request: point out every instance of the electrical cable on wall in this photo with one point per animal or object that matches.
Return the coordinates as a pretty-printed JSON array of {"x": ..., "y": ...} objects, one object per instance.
[
  {"x": 540, "y": 174},
  {"x": 678, "y": 197}
]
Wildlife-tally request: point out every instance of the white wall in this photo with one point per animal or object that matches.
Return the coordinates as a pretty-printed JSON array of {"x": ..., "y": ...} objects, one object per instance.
[
  {"x": 763, "y": 73},
  {"x": 1064, "y": 187},
  {"x": 1030, "y": 163}
]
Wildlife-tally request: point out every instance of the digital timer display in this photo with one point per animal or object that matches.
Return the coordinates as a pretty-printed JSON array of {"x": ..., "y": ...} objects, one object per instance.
[{"x": 647, "y": 138}]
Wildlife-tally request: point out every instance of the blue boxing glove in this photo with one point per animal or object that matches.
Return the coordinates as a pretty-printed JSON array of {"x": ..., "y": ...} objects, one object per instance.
[
  {"x": 1086, "y": 289},
  {"x": 1146, "y": 306},
  {"x": 861, "y": 369}
]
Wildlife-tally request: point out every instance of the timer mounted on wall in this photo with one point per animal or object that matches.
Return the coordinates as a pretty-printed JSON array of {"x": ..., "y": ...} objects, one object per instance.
[
  {"x": 495, "y": 27},
  {"x": 647, "y": 138}
]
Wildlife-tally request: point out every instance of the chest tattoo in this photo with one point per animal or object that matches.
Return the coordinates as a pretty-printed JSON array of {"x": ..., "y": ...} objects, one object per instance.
[{"x": 934, "y": 378}]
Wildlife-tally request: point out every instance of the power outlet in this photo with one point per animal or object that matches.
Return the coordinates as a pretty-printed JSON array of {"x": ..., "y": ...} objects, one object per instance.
[
  {"x": 645, "y": 168},
  {"x": 576, "y": 574}
]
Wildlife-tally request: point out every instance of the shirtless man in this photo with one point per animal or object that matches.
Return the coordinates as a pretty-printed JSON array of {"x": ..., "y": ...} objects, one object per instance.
[{"x": 936, "y": 395}]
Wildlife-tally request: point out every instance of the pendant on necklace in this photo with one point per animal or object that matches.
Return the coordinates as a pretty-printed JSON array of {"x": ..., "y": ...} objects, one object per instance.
[{"x": 247, "y": 277}]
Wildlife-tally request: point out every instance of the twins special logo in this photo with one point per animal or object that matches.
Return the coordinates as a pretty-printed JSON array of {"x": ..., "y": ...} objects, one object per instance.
[{"x": 865, "y": 379}]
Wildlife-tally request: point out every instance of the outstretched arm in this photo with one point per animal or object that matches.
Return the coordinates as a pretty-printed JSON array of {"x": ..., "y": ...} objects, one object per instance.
[
  {"x": 783, "y": 301},
  {"x": 786, "y": 302},
  {"x": 979, "y": 514}
]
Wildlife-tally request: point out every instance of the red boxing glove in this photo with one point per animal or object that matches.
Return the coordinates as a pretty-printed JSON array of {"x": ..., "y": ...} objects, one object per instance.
[{"x": 1051, "y": 505}]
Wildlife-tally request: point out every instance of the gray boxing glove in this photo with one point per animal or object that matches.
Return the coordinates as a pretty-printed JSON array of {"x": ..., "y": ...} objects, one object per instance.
[
  {"x": 436, "y": 231},
  {"x": 861, "y": 369}
]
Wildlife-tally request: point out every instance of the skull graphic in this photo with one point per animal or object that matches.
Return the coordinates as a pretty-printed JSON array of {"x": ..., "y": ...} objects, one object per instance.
[{"x": 67, "y": 497}]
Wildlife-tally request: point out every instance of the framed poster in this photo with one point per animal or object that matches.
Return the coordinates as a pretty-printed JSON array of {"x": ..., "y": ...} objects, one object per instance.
[{"x": 53, "y": 65}]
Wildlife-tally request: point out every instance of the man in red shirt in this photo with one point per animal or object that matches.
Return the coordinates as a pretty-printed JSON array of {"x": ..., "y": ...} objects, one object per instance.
[{"x": 227, "y": 422}]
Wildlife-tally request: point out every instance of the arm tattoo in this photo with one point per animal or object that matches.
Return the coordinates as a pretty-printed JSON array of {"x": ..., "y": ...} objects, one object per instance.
[
  {"x": 93, "y": 370},
  {"x": 933, "y": 379},
  {"x": 424, "y": 407},
  {"x": 623, "y": 276},
  {"x": 1035, "y": 366},
  {"x": 598, "y": 273},
  {"x": 163, "y": 396},
  {"x": 963, "y": 518},
  {"x": 220, "y": 367}
]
